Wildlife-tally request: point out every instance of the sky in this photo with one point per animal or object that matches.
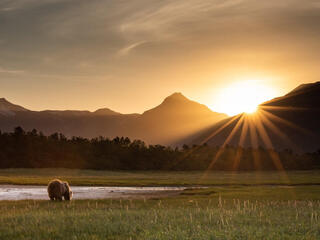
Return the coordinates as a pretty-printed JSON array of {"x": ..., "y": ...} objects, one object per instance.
[{"x": 130, "y": 55}]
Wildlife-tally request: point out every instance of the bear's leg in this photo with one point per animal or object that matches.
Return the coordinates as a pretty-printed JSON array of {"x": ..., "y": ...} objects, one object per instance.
[
  {"x": 52, "y": 198},
  {"x": 59, "y": 198}
]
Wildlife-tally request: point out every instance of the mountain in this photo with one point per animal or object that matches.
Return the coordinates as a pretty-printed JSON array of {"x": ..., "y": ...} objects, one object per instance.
[
  {"x": 305, "y": 87},
  {"x": 106, "y": 112},
  {"x": 178, "y": 105},
  {"x": 9, "y": 109},
  {"x": 304, "y": 96},
  {"x": 287, "y": 122},
  {"x": 174, "y": 118}
]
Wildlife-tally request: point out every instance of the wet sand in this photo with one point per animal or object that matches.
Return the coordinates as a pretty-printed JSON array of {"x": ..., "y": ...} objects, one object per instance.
[{"x": 21, "y": 192}]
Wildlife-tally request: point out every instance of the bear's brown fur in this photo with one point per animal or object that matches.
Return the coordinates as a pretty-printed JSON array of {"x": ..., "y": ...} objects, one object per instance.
[{"x": 58, "y": 189}]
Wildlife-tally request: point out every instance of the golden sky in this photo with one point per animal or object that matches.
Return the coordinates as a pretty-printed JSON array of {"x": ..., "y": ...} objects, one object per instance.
[{"x": 130, "y": 55}]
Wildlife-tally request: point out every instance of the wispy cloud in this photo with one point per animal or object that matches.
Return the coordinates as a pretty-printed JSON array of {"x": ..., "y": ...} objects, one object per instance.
[
  {"x": 10, "y": 71},
  {"x": 126, "y": 50}
]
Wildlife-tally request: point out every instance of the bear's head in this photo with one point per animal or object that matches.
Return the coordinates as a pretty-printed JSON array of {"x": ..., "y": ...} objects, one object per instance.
[{"x": 68, "y": 193}]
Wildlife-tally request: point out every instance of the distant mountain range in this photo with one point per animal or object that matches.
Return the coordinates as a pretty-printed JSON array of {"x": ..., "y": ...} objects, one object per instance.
[
  {"x": 175, "y": 118},
  {"x": 288, "y": 122}
]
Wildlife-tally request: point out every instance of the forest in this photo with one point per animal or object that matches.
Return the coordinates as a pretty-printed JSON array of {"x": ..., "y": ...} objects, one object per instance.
[{"x": 32, "y": 149}]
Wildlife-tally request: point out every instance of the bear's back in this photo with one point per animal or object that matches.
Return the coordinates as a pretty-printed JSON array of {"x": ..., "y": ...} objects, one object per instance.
[{"x": 55, "y": 188}]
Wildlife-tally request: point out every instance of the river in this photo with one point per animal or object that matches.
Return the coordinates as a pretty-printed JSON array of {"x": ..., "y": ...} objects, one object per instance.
[{"x": 22, "y": 192}]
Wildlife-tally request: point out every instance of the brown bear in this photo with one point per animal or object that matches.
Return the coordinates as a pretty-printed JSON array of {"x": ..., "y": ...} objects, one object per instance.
[{"x": 58, "y": 189}]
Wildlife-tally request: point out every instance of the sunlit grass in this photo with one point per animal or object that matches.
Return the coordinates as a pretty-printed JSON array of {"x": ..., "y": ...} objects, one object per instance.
[
  {"x": 156, "y": 178},
  {"x": 181, "y": 218}
]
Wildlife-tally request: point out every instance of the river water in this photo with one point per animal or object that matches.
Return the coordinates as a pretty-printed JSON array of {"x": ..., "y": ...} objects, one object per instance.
[{"x": 21, "y": 192}]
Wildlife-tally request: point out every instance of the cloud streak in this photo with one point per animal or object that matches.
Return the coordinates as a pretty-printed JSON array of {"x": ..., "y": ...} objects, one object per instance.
[
  {"x": 3, "y": 70},
  {"x": 126, "y": 50}
]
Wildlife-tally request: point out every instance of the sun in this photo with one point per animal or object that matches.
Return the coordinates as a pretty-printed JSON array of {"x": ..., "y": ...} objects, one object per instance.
[{"x": 243, "y": 97}]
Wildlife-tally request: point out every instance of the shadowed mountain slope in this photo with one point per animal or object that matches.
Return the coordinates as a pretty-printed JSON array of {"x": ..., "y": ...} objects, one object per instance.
[
  {"x": 174, "y": 118},
  {"x": 7, "y": 108},
  {"x": 287, "y": 122}
]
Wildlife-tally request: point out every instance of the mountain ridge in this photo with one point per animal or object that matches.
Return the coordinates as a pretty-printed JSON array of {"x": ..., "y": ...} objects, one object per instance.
[
  {"x": 10, "y": 109},
  {"x": 174, "y": 117}
]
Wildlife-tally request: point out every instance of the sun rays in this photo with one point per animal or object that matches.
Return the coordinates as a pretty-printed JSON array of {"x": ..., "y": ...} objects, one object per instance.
[
  {"x": 243, "y": 97},
  {"x": 254, "y": 130}
]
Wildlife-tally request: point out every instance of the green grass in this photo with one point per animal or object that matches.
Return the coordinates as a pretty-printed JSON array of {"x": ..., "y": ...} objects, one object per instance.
[
  {"x": 195, "y": 218},
  {"x": 140, "y": 178},
  {"x": 256, "y": 193},
  {"x": 261, "y": 205}
]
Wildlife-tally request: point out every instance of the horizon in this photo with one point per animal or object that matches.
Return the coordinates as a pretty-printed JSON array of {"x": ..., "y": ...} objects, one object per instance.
[
  {"x": 115, "y": 110},
  {"x": 251, "y": 109},
  {"x": 216, "y": 108}
]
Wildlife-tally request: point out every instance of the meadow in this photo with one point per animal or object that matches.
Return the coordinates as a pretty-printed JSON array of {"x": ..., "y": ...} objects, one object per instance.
[
  {"x": 245, "y": 205},
  {"x": 185, "y": 217},
  {"x": 42, "y": 176}
]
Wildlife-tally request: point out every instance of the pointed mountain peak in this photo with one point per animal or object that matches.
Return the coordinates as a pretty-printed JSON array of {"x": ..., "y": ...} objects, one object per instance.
[
  {"x": 106, "y": 112},
  {"x": 177, "y": 104},
  {"x": 177, "y": 96}
]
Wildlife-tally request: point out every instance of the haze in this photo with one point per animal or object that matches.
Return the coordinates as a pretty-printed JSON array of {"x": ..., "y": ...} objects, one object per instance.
[{"x": 129, "y": 55}]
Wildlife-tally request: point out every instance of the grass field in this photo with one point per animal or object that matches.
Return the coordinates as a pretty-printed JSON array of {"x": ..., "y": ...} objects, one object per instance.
[
  {"x": 265, "y": 205},
  {"x": 179, "y": 218},
  {"x": 149, "y": 178}
]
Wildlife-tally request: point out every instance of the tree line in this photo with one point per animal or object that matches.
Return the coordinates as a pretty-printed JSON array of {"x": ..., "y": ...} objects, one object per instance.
[{"x": 32, "y": 149}]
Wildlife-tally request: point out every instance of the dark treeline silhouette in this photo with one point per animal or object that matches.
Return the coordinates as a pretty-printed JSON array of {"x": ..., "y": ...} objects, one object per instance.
[{"x": 20, "y": 149}]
